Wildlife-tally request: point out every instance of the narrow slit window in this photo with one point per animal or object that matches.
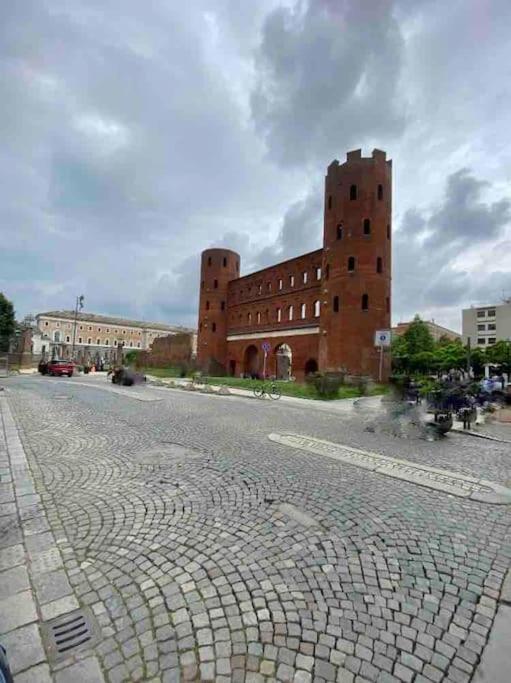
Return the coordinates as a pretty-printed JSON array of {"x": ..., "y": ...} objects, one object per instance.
[
  {"x": 335, "y": 305},
  {"x": 367, "y": 226},
  {"x": 330, "y": 202},
  {"x": 279, "y": 314},
  {"x": 316, "y": 309},
  {"x": 225, "y": 262},
  {"x": 365, "y": 302},
  {"x": 339, "y": 231},
  {"x": 207, "y": 305},
  {"x": 379, "y": 265},
  {"x": 387, "y": 304},
  {"x": 380, "y": 192},
  {"x": 351, "y": 264},
  {"x": 388, "y": 232},
  {"x": 215, "y": 284},
  {"x": 327, "y": 271},
  {"x": 353, "y": 192},
  {"x": 222, "y": 306},
  {"x": 290, "y": 313},
  {"x": 213, "y": 327},
  {"x": 303, "y": 311}
]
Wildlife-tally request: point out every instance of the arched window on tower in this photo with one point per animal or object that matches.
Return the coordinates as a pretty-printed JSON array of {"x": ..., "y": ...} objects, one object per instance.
[
  {"x": 222, "y": 305},
  {"x": 279, "y": 314},
  {"x": 388, "y": 232},
  {"x": 353, "y": 192},
  {"x": 327, "y": 271},
  {"x": 367, "y": 226},
  {"x": 215, "y": 284},
  {"x": 387, "y": 305},
  {"x": 351, "y": 264},
  {"x": 339, "y": 231},
  {"x": 330, "y": 202},
  {"x": 335, "y": 304},
  {"x": 316, "y": 309},
  {"x": 258, "y": 318},
  {"x": 209, "y": 260},
  {"x": 225, "y": 262},
  {"x": 365, "y": 302},
  {"x": 380, "y": 192},
  {"x": 303, "y": 311},
  {"x": 290, "y": 313},
  {"x": 379, "y": 265},
  {"x": 213, "y": 327},
  {"x": 207, "y": 305},
  {"x": 249, "y": 318}
]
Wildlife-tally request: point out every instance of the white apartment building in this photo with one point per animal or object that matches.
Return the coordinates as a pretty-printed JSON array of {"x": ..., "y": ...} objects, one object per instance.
[{"x": 486, "y": 325}]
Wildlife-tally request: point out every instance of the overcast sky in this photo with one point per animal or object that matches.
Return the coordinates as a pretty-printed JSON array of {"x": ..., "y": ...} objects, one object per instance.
[{"x": 133, "y": 135}]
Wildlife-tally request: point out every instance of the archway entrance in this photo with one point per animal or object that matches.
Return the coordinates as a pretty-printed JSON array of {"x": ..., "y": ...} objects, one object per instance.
[
  {"x": 284, "y": 361},
  {"x": 251, "y": 361},
  {"x": 311, "y": 366}
]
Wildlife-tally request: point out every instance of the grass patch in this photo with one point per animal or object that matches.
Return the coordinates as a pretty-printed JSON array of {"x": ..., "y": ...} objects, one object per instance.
[{"x": 295, "y": 389}]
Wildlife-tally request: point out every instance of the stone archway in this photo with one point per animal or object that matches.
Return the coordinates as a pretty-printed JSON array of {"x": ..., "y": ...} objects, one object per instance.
[
  {"x": 284, "y": 361},
  {"x": 251, "y": 361},
  {"x": 311, "y": 366}
]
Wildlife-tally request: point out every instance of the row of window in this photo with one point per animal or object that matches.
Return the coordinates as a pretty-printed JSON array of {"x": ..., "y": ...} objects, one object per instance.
[
  {"x": 353, "y": 194},
  {"x": 105, "y": 343},
  {"x": 98, "y": 329},
  {"x": 366, "y": 229},
  {"x": 224, "y": 262},
  {"x": 490, "y": 312},
  {"x": 491, "y": 327},
  {"x": 258, "y": 289},
  {"x": 490, "y": 340}
]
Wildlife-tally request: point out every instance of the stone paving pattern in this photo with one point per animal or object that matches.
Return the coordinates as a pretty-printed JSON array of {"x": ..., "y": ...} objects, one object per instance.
[{"x": 207, "y": 552}]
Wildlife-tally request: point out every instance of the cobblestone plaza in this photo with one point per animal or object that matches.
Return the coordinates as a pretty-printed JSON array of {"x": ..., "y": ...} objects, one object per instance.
[{"x": 199, "y": 549}]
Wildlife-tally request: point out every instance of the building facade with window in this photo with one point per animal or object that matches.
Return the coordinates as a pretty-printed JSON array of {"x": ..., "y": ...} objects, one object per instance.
[
  {"x": 96, "y": 337},
  {"x": 486, "y": 325},
  {"x": 318, "y": 311}
]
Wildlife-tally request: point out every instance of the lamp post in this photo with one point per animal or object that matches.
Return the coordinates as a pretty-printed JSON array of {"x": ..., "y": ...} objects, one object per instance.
[{"x": 79, "y": 306}]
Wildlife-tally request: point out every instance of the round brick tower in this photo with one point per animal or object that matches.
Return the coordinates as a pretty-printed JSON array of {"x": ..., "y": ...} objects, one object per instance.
[
  {"x": 356, "y": 273},
  {"x": 218, "y": 267}
]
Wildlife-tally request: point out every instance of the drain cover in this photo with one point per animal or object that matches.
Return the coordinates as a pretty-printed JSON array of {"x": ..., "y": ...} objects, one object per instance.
[{"x": 69, "y": 633}]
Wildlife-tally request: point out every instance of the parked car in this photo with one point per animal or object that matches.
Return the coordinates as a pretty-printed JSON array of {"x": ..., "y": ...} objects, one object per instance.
[
  {"x": 43, "y": 367},
  {"x": 61, "y": 367}
]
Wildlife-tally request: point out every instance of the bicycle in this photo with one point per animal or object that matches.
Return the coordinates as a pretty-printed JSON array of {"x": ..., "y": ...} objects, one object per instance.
[{"x": 270, "y": 389}]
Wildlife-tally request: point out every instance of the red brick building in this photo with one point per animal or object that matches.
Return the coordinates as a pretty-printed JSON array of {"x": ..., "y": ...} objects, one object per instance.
[{"x": 316, "y": 311}]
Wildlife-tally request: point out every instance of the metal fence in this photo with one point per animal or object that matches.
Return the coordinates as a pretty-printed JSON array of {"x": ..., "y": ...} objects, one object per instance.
[{"x": 4, "y": 366}]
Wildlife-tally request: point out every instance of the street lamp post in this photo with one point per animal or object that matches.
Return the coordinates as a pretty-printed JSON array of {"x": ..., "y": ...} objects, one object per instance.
[{"x": 79, "y": 306}]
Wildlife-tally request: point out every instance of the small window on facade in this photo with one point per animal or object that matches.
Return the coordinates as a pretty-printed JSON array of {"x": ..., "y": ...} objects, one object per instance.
[
  {"x": 388, "y": 232},
  {"x": 481, "y": 340},
  {"x": 380, "y": 191},
  {"x": 267, "y": 315},
  {"x": 330, "y": 202},
  {"x": 249, "y": 318},
  {"x": 268, "y": 286},
  {"x": 351, "y": 264},
  {"x": 492, "y": 340},
  {"x": 280, "y": 284},
  {"x": 207, "y": 305},
  {"x": 353, "y": 192},
  {"x": 81, "y": 327},
  {"x": 238, "y": 266},
  {"x": 303, "y": 311},
  {"x": 365, "y": 302},
  {"x": 215, "y": 284},
  {"x": 260, "y": 289},
  {"x": 138, "y": 345},
  {"x": 202, "y": 285},
  {"x": 209, "y": 260},
  {"x": 335, "y": 304},
  {"x": 79, "y": 340},
  {"x": 200, "y": 327},
  {"x": 387, "y": 305},
  {"x": 107, "y": 342},
  {"x": 98, "y": 341},
  {"x": 131, "y": 344},
  {"x": 492, "y": 327},
  {"x": 379, "y": 265},
  {"x": 58, "y": 324},
  {"x": 89, "y": 340},
  {"x": 339, "y": 231},
  {"x": 304, "y": 277},
  {"x": 291, "y": 280},
  {"x": 213, "y": 327},
  {"x": 279, "y": 315},
  {"x": 316, "y": 309},
  {"x": 46, "y": 324},
  {"x": 318, "y": 273},
  {"x": 491, "y": 313},
  {"x": 225, "y": 262},
  {"x": 56, "y": 337},
  {"x": 258, "y": 318},
  {"x": 327, "y": 271},
  {"x": 367, "y": 226},
  {"x": 481, "y": 328},
  {"x": 290, "y": 313},
  {"x": 68, "y": 339},
  {"x": 481, "y": 314},
  {"x": 222, "y": 305}
]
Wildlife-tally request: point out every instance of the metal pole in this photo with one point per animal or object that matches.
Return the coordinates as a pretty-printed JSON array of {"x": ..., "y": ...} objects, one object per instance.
[
  {"x": 79, "y": 304},
  {"x": 381, "y": 364},
  {"x": 264, "y": 364},
  {"x": 468, "y": 356}
]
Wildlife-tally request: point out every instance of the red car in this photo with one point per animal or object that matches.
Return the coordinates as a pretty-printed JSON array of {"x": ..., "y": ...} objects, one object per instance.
[{"x": 61, "y": 367}]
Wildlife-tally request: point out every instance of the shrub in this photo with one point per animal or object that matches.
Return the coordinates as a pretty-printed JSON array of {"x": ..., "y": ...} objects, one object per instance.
[{"x": 326, "y": 384}]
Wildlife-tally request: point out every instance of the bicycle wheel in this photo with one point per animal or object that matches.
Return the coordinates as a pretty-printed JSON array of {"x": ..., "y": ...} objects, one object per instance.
[
  {"x": 259, "y": 391},
  {"x": 275, "y": 392}
]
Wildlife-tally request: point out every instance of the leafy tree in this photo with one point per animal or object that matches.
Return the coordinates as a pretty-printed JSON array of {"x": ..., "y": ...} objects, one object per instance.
[
  {"x": 7, "y": 322},
  {"x": 418, "y": 338},
  {"x": 477, "y": 361},
  {"x": 500, "y": 354}
]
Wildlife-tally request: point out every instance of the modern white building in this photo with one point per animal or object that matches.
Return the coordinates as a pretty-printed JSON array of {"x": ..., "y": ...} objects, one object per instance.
[{"x": 486, "y": 325}]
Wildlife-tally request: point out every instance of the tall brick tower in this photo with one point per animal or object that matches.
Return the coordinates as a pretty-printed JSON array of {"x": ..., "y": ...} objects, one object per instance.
[
  {"x": 218, "y": 267},
  {"x": 356, "y": 272}
]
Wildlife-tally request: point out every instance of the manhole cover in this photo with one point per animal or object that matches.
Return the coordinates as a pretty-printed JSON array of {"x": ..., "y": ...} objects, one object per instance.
[{"x": 65, "y": 635}]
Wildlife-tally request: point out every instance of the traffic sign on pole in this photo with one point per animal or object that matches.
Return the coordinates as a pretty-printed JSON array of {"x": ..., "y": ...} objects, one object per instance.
[{"x": 266, "y": 346}]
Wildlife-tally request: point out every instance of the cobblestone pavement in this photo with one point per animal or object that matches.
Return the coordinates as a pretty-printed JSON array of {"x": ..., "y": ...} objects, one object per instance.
[{"x": 207, "y": 552}]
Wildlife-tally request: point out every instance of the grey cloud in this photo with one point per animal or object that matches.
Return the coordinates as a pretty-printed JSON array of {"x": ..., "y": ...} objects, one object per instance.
[{"x": 328, "y": 74}]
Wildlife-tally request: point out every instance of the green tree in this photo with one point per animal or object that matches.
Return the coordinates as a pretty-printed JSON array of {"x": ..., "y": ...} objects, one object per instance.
[
  {"x": 500, "y": 354},
  {"x": 418, "y": 338},
  {"x": 7, "y": 322}
]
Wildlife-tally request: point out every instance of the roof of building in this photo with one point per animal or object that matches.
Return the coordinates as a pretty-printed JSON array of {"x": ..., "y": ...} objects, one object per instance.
[
  {"x": 111, "y": 320},
  {"x": 401, "y": 327}
]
